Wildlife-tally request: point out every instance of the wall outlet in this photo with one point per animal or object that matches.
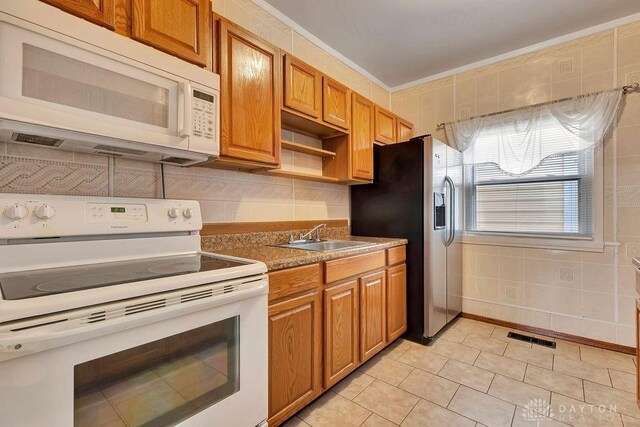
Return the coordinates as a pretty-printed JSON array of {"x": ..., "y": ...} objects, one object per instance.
[
  {"x": 566, "y": 274},
  {"x": 633, "y": 250}
]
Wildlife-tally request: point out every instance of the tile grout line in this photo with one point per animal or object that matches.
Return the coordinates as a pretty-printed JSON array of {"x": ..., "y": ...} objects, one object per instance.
[{"x": 409, "y": 413}]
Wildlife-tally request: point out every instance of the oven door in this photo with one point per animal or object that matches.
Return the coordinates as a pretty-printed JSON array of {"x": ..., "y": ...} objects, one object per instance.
[{"x": 202, "y": 368}]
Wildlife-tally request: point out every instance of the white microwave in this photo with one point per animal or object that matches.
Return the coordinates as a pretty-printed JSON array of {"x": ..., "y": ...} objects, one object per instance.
[{"x": 67, "y": 83}]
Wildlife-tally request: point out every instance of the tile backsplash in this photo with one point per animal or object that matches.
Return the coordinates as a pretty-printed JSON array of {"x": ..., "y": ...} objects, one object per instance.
[{"x": 224, "y": 195}]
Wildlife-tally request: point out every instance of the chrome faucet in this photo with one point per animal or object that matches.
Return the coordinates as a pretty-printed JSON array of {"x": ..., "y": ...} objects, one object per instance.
[{"x": 306, "y": 237}]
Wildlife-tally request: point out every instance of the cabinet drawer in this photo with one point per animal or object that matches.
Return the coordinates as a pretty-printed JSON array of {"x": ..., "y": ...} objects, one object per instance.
[
  {"x": 293, "y": 280},
  {"x": 396, "y": 255},
  {"x": 347, "y": 267}
]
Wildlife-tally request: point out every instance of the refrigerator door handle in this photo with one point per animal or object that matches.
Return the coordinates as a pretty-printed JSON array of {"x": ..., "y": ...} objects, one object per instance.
[{"x": 452, "y": 211}]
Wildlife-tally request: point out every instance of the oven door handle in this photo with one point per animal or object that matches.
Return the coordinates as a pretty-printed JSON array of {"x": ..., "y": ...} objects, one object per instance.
[{"x": 59, "y": 333}]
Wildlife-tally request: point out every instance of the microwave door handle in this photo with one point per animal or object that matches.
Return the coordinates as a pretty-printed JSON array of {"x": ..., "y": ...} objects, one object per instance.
[{"x": 184, "y": 109}]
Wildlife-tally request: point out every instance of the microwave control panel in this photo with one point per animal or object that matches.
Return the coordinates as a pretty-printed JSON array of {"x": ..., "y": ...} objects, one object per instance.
[{"x": 204, "y": 109}]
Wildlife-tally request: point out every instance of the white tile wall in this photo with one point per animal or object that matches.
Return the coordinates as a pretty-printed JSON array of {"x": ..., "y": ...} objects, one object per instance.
[
  {"x": 581, "y": 293},
  {"x": 225, "y": 196}
]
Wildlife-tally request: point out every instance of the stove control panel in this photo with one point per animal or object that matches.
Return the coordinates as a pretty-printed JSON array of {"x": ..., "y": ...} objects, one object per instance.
[
  {"x": 25, "y": 216},
  {"x": 109, "y": 213}
]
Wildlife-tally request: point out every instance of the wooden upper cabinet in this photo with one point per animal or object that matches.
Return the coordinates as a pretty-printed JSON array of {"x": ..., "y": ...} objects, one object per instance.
[
  {"x": 101, "y": 12},
  {"x": 396, "y": 301},
  {"x": 178, "y": 27},
  {"x": 385, "y": 126},
  {"x": 362, "y": 128},
  {"x": 373, "y": 321},
  {"x": 295, "y": 353},
  {"x": 341, "y": 324},
  {"x": 250, "y": 95},
  {"x": 302, "y": 87},
  {"x": 336, "y": 108},
  {"x": 404, "y": 130}
]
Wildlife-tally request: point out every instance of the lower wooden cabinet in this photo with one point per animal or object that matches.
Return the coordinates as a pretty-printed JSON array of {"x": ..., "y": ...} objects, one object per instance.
[
  {"x": 295, "y": 352},
  {"x": 396, "y": 301},
  {"x": 373, "y": 316},
  {"x": 320, "y": 333},
  {"x": 341, "y": 330}
]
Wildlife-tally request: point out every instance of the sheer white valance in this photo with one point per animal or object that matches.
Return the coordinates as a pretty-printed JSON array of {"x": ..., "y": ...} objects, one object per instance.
[{"x": 518, "y": 141}]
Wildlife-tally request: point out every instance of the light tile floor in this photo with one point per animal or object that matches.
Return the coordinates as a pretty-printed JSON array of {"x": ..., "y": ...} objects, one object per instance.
[{"x": 473, "y": 375}]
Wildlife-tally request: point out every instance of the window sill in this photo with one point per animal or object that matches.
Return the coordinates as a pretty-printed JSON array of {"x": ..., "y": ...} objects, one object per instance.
[{"x": 566, "y": 244}]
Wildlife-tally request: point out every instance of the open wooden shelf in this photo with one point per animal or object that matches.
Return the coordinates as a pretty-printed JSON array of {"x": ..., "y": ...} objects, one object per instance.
[
  {"x": 306, "y": 149},
  {"x": 298, "y": 123},
  {"x": 297, "y": 175}
]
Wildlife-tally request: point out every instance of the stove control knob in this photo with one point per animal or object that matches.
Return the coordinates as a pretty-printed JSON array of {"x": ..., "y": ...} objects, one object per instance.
[
  {"x": 45, "y": 212},
  {"x": 187, "y": 213},
  {"x": 173, "y": 213},
  {"x": 15, "y": 212}
]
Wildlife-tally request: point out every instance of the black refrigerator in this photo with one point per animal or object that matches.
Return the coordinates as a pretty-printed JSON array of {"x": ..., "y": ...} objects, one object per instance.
[{"x": 417, "y": 194}]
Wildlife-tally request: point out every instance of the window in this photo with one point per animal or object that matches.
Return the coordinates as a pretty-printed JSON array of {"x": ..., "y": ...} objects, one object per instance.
[
  {"x": 555, "y": 199},
  {"x": 534, "y": 176}
]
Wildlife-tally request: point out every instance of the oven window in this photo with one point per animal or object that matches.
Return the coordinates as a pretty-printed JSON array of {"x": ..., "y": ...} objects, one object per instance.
[{"x": 160, "y": 383}]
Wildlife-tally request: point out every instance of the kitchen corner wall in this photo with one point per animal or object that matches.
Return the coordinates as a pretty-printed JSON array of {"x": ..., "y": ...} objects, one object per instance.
[
  {"x": 594, "y": 296},
  {"x": 224, "y": 195}
]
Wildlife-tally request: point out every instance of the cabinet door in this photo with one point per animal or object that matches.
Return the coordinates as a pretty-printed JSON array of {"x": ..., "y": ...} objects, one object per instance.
[
  {"x": 362, "y": 138},
  {"x": 302, "y": 87},
  {"x": 404, "y": 130},
  {"x": 336, "y": 103},
  {"x": 341, "y": 324},
  {"x": 250, "y": 107},
  {"x": 385, "y": 123},
  {"x": 178, "y": 27},
  {"x": 295, "y": 353},
  {"x": 373, "y": 322},
  {"x": 396, "y": 301},
  {"x": 101, "y": 12}
]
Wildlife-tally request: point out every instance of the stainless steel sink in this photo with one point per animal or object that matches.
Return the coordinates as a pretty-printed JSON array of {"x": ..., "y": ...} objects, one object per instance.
[{"x": 326, "y": 245}]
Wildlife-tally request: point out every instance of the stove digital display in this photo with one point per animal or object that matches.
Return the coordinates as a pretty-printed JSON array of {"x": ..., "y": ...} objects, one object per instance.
[{"x": 118, "y": 210}]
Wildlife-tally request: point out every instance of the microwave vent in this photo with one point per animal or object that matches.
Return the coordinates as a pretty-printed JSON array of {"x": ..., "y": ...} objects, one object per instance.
[
  {"x": 176, "y": 160},
  {"x": 36, "y": 139},
  {"x": 119, "y": 150},
  {"x": 106, "y": 153}
]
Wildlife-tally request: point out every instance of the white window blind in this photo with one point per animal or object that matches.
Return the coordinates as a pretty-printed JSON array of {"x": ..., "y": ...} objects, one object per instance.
[{"x": 553, "y": 199}]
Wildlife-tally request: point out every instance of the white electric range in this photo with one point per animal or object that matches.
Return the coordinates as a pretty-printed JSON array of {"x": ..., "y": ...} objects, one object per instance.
[{"x": 110, "y": 314}]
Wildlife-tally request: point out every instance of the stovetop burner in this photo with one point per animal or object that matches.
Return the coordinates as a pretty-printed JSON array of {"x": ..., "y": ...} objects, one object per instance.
[{"x": 36, "y": 283}]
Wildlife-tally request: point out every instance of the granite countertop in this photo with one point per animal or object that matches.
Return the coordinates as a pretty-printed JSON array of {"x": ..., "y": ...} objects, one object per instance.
[
  {"x": 636, "y": 262},
  {"x": 278, "y": 258}
]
